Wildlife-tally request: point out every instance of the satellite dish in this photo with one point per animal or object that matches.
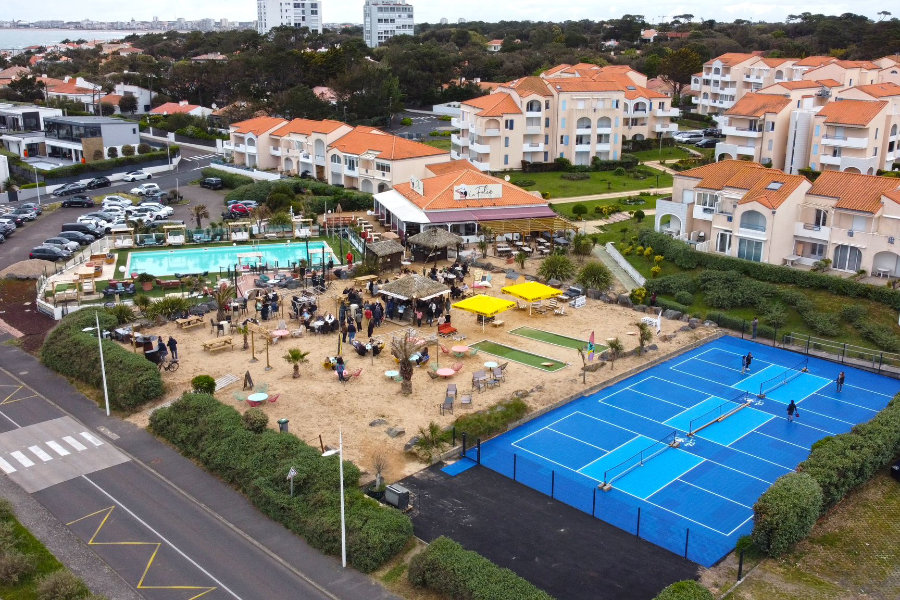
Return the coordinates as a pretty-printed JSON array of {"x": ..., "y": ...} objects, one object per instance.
[{"x": 506, "y": 178}]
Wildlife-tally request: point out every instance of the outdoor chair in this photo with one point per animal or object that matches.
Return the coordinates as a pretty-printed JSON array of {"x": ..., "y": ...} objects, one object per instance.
[
  {"x": 466, "y": 400},
  {"x": 433, "y": 375},
  {"x": 444, "y": 349},
  {"x": 555, "y": 307},
  {"x": 447, "y": 406},
  {"x": 503, "y": 367},
  {"x": 212, "y": 326},
  {"x": 457, "y": 367},
  {"x": 479, "y": 380},
  {"x": 273, "y": 399},
  {"x": 498, "y": 375},
  {"x": 282, "y": 325},
  {"x": 451, "y": 389},
  {"x": 473, "y": 352}
]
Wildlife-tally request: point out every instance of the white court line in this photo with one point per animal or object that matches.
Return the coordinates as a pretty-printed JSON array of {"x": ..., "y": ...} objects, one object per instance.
[
  {"x": 551, "y": 461},
  {"x": 666, "y": 422},
  {"x": 865, "y": 390},
  {"x": 672, "y": 512},
  {"x": 39, "y": 452},
  {"x": 7, "y": 468},
  {"x": 689, "y": 359},
  {"x": 748, "y": 433},
  {"x": 24, "y": 460},
  {"x": 785, "y": 441},
  {"x": 610, "y": 452},
  {"x": 703, "y": 378},
  {"x": 10, "y": 420},
  {"x": 74, "y": 443},
  {"x": 57, "y": 448},
  {"x": 91, "y": 438},
  {"x": 842, "y": 401},
  {"x": 629, "y": 388},
  {"x": 750, "y": 518},
  {"x": 677, "y": 477},
  {"x": 571, "y": 437},
  {"x": 544, "y": 427},
  {"x": 713, "y": 493}
]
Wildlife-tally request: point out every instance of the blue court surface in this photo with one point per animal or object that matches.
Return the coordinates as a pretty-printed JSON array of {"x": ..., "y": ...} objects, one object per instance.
[{"x": 692, "y": 494}]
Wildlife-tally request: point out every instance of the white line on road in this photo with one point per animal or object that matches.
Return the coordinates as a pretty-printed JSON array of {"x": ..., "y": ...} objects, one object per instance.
[
  {"x": 91, "y": 438},
  {"x": 39, "y": 452},
  {"x": 26, "y": 462},
  {"x": 58, "y": 448},
  {"x": 7, "y": 468},
  {"x": 74, "y": 443}
]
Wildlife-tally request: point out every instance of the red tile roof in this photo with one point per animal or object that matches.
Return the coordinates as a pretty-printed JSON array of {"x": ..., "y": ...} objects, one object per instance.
[
  {"x": 880, "y": 90},
  {"x": 759, "y": 182},
  {"x": 731, "y": 58},
  {"x": 171, "y": 108},
  {"x": 257, "y": 126},
  {"x": 814, "y": 61},
  {"x": 111, "y": 99},
  {"x": 851, "y": 112},
  {"x": 855, "y": 191},
  {"x": 386, "y": 146},
  {"x": 757, "y": 105},
  {"x": 495, "y": 105},
  {"x": 439, "y": 192},
  {"x": 530, "y": 86},
  {"x": 308, "y": 127},
  {"x": 452, "y": 167}
]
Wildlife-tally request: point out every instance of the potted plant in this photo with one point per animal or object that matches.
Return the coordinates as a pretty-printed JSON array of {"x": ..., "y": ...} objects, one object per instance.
[
  {"x": 379, "y": 464},
  {"x": 110, "y": 258},
  {"x": 146, "y": 280}
]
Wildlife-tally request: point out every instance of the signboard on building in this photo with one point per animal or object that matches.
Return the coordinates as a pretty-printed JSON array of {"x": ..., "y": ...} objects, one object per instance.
[
  {"x": 477, "y": 192},
  {"x": 417, "y": 186}
]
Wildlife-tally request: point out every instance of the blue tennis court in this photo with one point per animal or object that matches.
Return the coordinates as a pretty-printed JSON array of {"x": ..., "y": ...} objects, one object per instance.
[{"x": 680, "y": 453}]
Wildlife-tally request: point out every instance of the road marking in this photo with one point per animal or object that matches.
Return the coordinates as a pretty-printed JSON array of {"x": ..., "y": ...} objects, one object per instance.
[
  {"x": 39, "y": 452},
  {"x": 7, "y": 468},
  {"x": 91, "y": 438},
  {"x": 26, "y": 462},
  {"x": 74, "y": 443},
  {"x": 58, "y": 448}
]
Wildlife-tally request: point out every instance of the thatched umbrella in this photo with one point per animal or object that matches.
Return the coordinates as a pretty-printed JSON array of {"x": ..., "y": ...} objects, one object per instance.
[
  {"x": 434, "y": 239},
  {"x": 414, "y": 287}
]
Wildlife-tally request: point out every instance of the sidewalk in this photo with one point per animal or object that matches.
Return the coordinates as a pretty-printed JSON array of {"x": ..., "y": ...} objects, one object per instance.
[
  {"x": 613, "y": 195},
  {"x": 162, "y": 140},
  {"x": 618, "y": 272}
]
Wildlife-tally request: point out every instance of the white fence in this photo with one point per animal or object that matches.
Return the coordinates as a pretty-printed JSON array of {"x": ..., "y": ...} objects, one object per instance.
[
  {"x": 260, "y": 175},
  {"x": 626, "y": 266}
]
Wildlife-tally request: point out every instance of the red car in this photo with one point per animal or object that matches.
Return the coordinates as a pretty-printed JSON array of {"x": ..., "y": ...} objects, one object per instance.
[{"x": 236, "y": 211}]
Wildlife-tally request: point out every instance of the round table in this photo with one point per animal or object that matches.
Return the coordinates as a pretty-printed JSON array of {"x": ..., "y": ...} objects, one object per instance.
[
  {"x": 280, "y": 333},
  {"x": 491, "y": 365},
  {"x": 449, "y": 276},
  {"x": 459, "y": 350},
  {"x": 255, "y": 399},
  {"x": 392, "y": 374},
  {"x": 445, "y": 372}
]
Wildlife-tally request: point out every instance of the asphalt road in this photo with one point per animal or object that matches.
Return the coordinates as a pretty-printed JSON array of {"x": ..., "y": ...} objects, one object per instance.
[
  {"x": 25, "y": 238},
  {"x": 166, "y": 527}
]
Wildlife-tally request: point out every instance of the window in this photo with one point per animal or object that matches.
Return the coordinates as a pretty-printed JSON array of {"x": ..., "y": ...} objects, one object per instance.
[
  {"x": 706, "y": 200},
  {"x": 770, "y": 125},
  {"x": 547, "y": 104},
  {"x": 723, "y": 242},
  {"x": 506, "y": 142},
  {"x": 509, "y": 124},
  {"x": 821, "y": 218},
  {"x": 546, "y": 139},
  {"x": 847, "y": 258},
  {"x": 771, "y": 143},
  {"x": 506, "y": 159},
  {"x": 876, "y": 133},
  {"x": 750, "y": 250},
  {"x": 564, "y": 105},
  {"x": 818, "y": 129},
  {"x": 547, "y": 123},
  {"x": 383, "y": 167},
  {"x": 615, "y": 104},
  {"x": 817, "y": 250},
  {"x": 753, "y": 220},
  {"x": 815, "y": 150},
  {"x": 563, "y": 123},
  {"x": 580, "y": 105}
]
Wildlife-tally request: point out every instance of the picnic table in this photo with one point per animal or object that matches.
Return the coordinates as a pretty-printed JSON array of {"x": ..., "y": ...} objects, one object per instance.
[
  {"x": 219, "y": 344},
  {"x": 189, "y": 322}
]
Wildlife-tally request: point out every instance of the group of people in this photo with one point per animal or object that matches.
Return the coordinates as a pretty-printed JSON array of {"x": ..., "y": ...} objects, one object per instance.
[
  {"x": 163, "y": 349},
  {"x": 267, "y": 304}
]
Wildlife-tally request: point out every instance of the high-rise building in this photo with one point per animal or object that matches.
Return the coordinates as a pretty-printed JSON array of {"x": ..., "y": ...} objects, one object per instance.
[
  {"x": 444, "y": 21},
  {"x": 383, "y": 19},
  {"x": 277, "y": 13}
]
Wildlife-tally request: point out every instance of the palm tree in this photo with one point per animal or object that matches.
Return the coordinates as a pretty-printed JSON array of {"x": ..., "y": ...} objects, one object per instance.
[
  {"x": 403, "y": 348},
  {"x": 243, "y": 330},
  {"x": 296, "y": 357},
  {"x": 521, "y": 257},
  {"x": 583, "y": 245},
  {"x": 199, "y": 213},
  {"x": 223, "y": 296},
  {"x": 645, "y": 334},
  {"x": 615, "y": 351}
]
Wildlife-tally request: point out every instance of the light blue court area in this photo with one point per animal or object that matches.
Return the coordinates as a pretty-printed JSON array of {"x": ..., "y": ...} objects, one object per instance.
[
  {"x": 198, "y": 260},
  {"x": 680, "y": 453}
]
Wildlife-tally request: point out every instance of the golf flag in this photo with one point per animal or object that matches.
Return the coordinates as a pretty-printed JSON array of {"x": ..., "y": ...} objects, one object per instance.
[{"x": 591, "y": 347}]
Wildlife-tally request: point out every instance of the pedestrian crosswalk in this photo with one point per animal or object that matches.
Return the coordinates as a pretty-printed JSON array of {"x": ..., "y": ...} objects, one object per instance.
[
  {"x": 42, "y": 455},
  {"x": 198, "y": 157}
]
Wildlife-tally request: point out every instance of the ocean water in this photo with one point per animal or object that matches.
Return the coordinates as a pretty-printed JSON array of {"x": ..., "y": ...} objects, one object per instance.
[{"x": 20, "y": 38}]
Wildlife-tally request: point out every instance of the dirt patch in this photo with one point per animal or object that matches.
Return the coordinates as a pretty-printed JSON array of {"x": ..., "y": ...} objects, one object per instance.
[{"x": 17, "y": 308}]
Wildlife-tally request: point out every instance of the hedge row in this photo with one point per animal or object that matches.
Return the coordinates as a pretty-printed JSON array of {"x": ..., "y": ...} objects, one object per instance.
[
  {"x": 683, "y": 256},
  {"x": 229, "y": 180},
  {"x": 449, "y": 569},
  {"x": 207, "y": 431},
  {"x": 321, "y": 194},
  {"x": 131, "y": 379},
  {"x": 106, "y": 165},
  {"x": 628, "y": 161},
  {"x": 786, "y": 513},
  {"x": 685, "y": 590}
]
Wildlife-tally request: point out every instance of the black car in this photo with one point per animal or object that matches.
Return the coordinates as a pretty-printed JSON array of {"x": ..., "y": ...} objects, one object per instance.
[
  {"x": 707, "y": 143},
  {"x": 712, "y": 132},
  {"x": 78, "y": 201},
  {"x": 213, "y": 183},
  {"x": 39, "y": 209},
  {"x": 75, "y": 236},
  {"x": 161, "y": 197},
  {"x": 98, "y": 182},
  {"x": 2, "y": 239},
  {"x": 7, "y": 230},
  {"x": 51, "y": 253},
  {"x": 70, "y": 188},
  {"x": 13, "y": 218}
]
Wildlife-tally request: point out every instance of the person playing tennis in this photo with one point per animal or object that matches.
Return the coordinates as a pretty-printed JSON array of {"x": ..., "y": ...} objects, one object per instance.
[
  {"x": 792, "y": 411},
  {"x": 840, "y": 381}
]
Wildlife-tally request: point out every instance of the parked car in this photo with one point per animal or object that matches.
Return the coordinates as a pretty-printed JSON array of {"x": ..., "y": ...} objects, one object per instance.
[
  {"x": 251, "y": 204},
  {"x": 51, "y": 253},
  {"x": 212, "y": 183},
  {"x": 118, "y": 201},
  {"x": 26, "y": 213},
  {"x": 167, "y": 210},
  {"x": 712, "y": 132},
  {"x": 69, "y": 189},
  {"x": 14, "y": 219},
  {"x": 82, "y": 239},
  {"x": 98, "y": 182},
  {"x": 136, "y": 176},
  {"x": 145, "y": 188},
  {"x": 688, "y": 136},
  {"x": 34, "y": 206},
  {"x": 2, "y": 238},
  {"x": 78, "y": 202},
  {"x": 236, "y": 211},
  {"x": 62, "y": 243},
  {"x": 7, "y": 229},
  {"x": 707, "y": 143},
  {"x": 160, "y": 197},
  {"x": 84, "y": 229}
]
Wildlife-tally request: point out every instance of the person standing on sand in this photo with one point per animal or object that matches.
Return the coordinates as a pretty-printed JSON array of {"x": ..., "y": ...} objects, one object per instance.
[{"x": 173, "y": 347}]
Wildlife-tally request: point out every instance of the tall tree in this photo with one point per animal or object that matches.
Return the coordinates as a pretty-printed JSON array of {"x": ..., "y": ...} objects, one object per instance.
[
  {"x": 128, "y": 104},
  {"x": 677, "y": 67}
]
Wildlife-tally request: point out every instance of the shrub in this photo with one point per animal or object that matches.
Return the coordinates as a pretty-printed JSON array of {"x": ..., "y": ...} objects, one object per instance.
[
  {"x": 229, "y": 180},
  {"x": 595, "y": 275},
  {"x": 205, "y": 430},
  {"x": 853, "y": 313},
  {"x": 557, "y": 266},
  {"x": 255, "y": 420},
  {"x": 406, "y": 121},
  {"x": 127, "y": 150},
  {"x": 60, "y": 585},
  {"x": 131, "y": 379},
  {"x": 775, "y": 315},
  {"x": 786, "y": 513},
  {"x": 685, "y": 298},
  {"x": 449, "y": 569},
  {"x": 144, "y": 148},
  {"x": 15, "y": 566},
  {"x": 620, "y": 172},
  {"x": 639, "y": 215},
  {"x": 638, "y": 295},
  {"x": 685, "y": 590},
  {"x": 203, "y": 384},
  {"x": 655, "y": 271},
  {"x": 822, "y": 323},
  {"x": 524, "y": 182},
  {"x": 669, "y": 305},
  {"x": 112, "y": 152},
  {"x": 575, "y": 176},
  {"x": 98, "y": 164},
  {"x": 579, "y": 210},
  {"x": 738, "y": 324},
  {"x": 672, "y": 284}
]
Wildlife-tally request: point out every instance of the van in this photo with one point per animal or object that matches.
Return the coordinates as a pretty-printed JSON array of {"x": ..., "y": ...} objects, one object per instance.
[{"x": 82, "y": 228}]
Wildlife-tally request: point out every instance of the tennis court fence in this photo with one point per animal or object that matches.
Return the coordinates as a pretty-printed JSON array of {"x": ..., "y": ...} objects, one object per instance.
[
  {"x": 878, "y": 361},
  {"x": 696, "y": 543}
]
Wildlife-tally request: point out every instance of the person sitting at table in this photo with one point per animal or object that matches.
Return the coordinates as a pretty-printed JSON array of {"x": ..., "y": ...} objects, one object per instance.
[
  {"x": 329, "y": 322},
  {"x": 266, "y": 308},
  {"x": 423, "y": 357},
  {"x": 455, "y": 291}
]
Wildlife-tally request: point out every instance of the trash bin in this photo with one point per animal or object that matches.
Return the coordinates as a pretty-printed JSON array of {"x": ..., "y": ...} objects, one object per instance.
[
  {"x": 895, "y": 470},
  {"x": 283, "y": 425}
]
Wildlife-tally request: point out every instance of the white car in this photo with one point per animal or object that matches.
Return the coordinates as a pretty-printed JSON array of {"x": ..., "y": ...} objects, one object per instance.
[
  {"x": 113, "y": 209},
  {"x": 166, "y": 210},
  {"x": 99, "y": 223},
  {"x": 118, "y": 201},
  {"x": 147, "y": 213},
  {"x": 145, "y": 188},
  {"x": 136, "y": 176},
  {"x": 62, "y": 243},
  {"x": 688, "y": 136}
]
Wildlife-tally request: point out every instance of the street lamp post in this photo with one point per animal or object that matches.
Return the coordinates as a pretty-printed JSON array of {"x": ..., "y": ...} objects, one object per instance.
[
  {"x": 340, "y": 453},
  {"x": 37, "y": 185},
  {"x": 103, "y": 364}
]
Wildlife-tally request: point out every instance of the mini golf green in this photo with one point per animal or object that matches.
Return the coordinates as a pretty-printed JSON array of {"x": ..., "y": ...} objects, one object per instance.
[
  {"x": 548, "y": 337},
  {"x": 520, "y": 356}
]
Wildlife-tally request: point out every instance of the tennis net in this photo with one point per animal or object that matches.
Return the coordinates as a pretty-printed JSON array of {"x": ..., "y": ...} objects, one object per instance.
[
  {"x": 720, "y": 413},
  {"x": 779, "y": 380},
  {"x": 638, "y": 460}
]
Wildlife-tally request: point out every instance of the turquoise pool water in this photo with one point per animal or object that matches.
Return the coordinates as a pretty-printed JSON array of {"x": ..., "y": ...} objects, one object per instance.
[{"x": 197, "y": 260}]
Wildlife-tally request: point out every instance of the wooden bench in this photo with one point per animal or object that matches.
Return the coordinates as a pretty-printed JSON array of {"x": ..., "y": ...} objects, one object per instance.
[
  {"x": 168, "y": 284},
  {"x": 214, "y": 345},
  {"x": 189, "y": 322}
]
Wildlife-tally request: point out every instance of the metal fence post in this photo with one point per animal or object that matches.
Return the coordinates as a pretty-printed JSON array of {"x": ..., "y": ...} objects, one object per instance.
[
  {"x": 741, "y": 566},
  {"x": 463, "y": 455},
  {"x": 775, "y": 338},
  {"x": 454, "y": 436},
  {"x": 880, "y": 362},
  {"x": 478, "y": 445},
  {"x": 687, "y": 539},
  {"x": 515, "y": 460},
  {"x": 638, "y": 532},
  {"x": 808, "y": 340},
  {"x": 594, "y": 504},
  {"x": 552, "y": 483},
  {"x": 743, "y": 327}
]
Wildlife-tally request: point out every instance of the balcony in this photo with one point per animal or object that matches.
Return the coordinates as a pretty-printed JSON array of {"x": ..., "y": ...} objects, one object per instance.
[
  {"x": 695, "y": 86},
  {"x": 671, "y": 112},
  {"x": 240, "y": 148},
  {"x": 604, "y": 131},
  {"x": 275, "y": 151},
  {"x": 666, "y": 128},
  {"x": 455, "y": 122},
  {"x": 533, "y": 113},
  {"x": 252, "y": 149},
  {"x": 752, "y": 233},
  {"x": 638, "y": 112},
  {"x": 741, "y": 132},
  {"x": 753, "y": 78},
  {"x": 734, "y": 150},
  {"x": 459, "y": 141},
  {"x": 528, "y": 147},
  {"x": 869, "y": 243},
  {"x": 304, "y": 156},
  {"x": 582, "y": 147},
  {"x": 320, "y": 159},
  {"x": 485, "y": 132},
  {"x": 830, "y": 160},
  {"x": 534, "y": 130},
  {"x": 607, "y": 147},
  {"x": 845, "y": 142},
  {"x": 454, "y": 155},
  {"x": 583, "y": 131},
  {"x": 810, "y": 231},
  {"x": 228, "y": 145},
  {"x": 351, "y": 171},
  {"x": 482, "y": 166},
  {"x": 704, "y": 213},
  {"x": 480, "y": 148}
]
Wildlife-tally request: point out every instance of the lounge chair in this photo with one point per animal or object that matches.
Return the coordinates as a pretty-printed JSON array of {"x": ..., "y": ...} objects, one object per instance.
[
  {"x": 444, "y": 349},
  {"x": 479, "y": 380},
  {"x": 457, "y": 367},
  {"x": 274, "y": 398},
  {"x": 498, "y": 375}
]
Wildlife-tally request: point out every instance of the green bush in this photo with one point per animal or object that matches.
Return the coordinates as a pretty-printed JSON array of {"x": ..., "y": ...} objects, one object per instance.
[
  {"x": 406, "y": 121},
  {"x": 685, "y": 298},
  {"x": 15, "y": 566},
  {"x": 255, "y": 420},
  {"x": 524, "y": 182},
  {"x": 575, "y": 176},
  {"x": 449, "y": 569},
  {"x": 104, "y": 165},
  {"x": 685, "y": 590},
  {"x": 229, "y": 180},
  {"x": 669, "y": 305},
  {"x": 672, "y": 284},
  {"x": 822, "y": 323},
  {"x": 131, "y": 379},
  {"x": 738, "y": 324},
  {"x": 620, "y": 171},
  {"x": 786, "y": 513},
  {"x": 853, "y": 313},
  {"x": 203, "y": 384},
  {"x": 318, "y": 194},
  {"x": 213, "y": 434},
  {"x": 127, "y": 150},
  {"x": 60, "y": 585},
  {"x": 579, "y": 210},
  {"x": 144, "y": 148}
]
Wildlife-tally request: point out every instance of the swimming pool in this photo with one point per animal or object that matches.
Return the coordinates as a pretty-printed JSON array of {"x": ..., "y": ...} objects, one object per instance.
[{"x": 197, "y": 260}]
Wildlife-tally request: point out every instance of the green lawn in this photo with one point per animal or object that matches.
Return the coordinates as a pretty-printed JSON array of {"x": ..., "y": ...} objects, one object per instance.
[
  {"x": 672, "y": 153},
  {"x": 442, "y": 143},
  {"x": 599, "y": 182},
  {"x": 43, "y": 560},
  {"x": 565, "y": 208}
]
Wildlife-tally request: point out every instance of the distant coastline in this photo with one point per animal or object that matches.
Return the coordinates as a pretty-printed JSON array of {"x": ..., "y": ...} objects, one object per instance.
[{"x": 20, "y": 37}]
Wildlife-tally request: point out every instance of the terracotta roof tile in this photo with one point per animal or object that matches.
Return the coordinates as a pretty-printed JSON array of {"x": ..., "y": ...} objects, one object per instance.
[
  {"x": 759, "y": 182},
  {"x": 452, "y": 167},
  {"x": 774, "y": 62},
  {"x": 257, "y": 126},
  {"x": 70, "y": 87},
  {"x": 583, "y": 85},
  {"x": 495, "y": 42},
  {"x": 530, "y": 86},
  {"x": 307, "y": 127},
  {"x": 857, "y": 64},
  {"x": 880, "y": 90},
  {"x": 851, "y": 112},
  {"x": 814, "y": 61},
  {"x": 387, "y": 146},
  {"x": 731, "y": 58},
  {"x": 439, "y": 192},
  {"x": 111, "y": 99},
  {"x": 556, "y": 69},
  {"x": 829, "y": 83},
  {"x": 495, "y": 105},
  {"x": 757, "y": 105},
  {"x": 171, "y": 108},
  {"x": 855, "y": 191}
]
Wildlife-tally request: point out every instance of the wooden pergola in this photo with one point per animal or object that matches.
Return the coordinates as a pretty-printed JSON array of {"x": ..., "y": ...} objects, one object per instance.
[
  {"x": 527, "y": 226},
  {"x": 239, "y": 231},
  {"x": 302, "y": 227},
  {"x": 123, "y": 236},
  {"x": 176, "y": 235}
]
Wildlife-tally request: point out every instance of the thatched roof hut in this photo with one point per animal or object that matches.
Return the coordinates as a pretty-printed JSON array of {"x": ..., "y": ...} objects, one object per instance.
[
  {"x": 435, "y": 238},
  {"x": 414, "y": 286},
  {"x": 387, "y": 254}
]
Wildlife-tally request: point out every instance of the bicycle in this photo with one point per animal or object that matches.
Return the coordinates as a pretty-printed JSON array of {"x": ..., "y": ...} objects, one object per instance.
[{"x": 171, "y": 366}]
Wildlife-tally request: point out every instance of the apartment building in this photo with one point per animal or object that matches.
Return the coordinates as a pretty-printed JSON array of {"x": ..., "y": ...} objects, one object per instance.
[
  {"x": 756, "y": 127},
  {"x": 849, "y": 135},
  {"x": 251, "y": 141},
  {"x": 383, "y": 19},
  {"x": 302, "y": 145},
  {"x": 492, "y": 133},
  {"x": 887, "y": 92},
  {"x": 723, "y": 81},
  {"x": 291, "y": 13},
  {"x": 78, "y": 90}
]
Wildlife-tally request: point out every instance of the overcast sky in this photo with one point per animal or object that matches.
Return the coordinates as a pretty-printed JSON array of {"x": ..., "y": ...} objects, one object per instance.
[{"x": 433, "y": 10}]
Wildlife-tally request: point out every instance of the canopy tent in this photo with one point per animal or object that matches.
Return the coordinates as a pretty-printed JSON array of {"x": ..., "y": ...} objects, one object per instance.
[
  {"x": 123, "y": 237},
  {"x": 390, "y": 235},
  {"x": 532, "y": 291},
  {"x": 485, "y": 306},
  {"x": 302, "y": 227},
  {"x": 255, "y": 258},
  {"x": 387, "y": 253},
  {"x": 414, "y": 286}
]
